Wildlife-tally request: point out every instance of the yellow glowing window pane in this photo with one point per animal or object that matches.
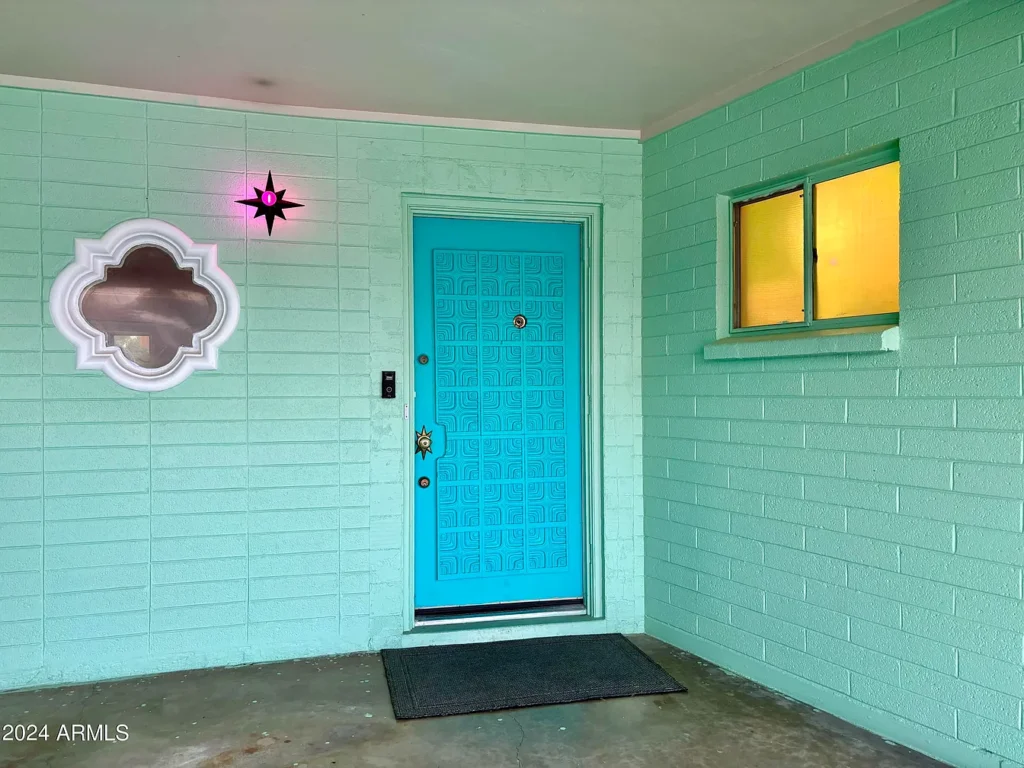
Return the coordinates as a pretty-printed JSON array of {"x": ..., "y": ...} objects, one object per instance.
[
  {"x": 770, "y": 261},
  {"x": 857, "y": 225}
]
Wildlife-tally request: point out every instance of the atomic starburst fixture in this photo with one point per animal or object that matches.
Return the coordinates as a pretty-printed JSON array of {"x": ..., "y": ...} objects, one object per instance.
[{"x": 269, "y": 203}]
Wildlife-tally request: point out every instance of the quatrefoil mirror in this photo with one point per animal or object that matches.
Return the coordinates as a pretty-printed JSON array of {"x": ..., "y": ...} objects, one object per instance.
[{"x": 145, "y": 305}]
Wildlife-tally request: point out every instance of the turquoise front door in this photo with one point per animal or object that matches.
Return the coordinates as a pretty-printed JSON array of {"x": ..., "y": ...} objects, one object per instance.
[{"x": 498, "y": 412}]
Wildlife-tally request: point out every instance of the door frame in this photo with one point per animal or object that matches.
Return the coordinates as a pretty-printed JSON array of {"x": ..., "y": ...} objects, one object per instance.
[{"x": 588, "y": 216}]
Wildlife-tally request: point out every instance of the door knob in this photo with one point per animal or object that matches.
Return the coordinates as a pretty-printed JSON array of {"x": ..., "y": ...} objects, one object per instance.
[{"x": 423, "y": 442}]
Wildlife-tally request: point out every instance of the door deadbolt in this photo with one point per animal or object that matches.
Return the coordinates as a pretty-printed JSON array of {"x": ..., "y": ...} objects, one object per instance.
[
  {"x": 424, "y": 482},
  {"x": 519, "y": 321},
  {"x": 423, "y": 359}
]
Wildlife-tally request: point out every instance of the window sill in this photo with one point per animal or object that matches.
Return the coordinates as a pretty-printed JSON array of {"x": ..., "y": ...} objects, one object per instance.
[{"x": 845, "y": 341}]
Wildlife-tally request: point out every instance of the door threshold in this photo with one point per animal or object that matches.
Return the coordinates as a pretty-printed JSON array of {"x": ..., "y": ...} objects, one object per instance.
[{"x": 499, "y": 612}]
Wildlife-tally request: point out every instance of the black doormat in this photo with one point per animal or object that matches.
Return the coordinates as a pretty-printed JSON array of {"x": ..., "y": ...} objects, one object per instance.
[{"x": 482, "y": 677}]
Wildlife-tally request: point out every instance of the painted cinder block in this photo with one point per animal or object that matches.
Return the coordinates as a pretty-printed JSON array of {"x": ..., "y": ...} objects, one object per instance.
[
  {"x": 699, "y": 604},
  {"x": 990, "y": 673},
  {"x": 699, "y": 516},
  {"x": 966, "y": 256},
  {"x": 901, "y": 412},
  {"x": 996, "y": 219},
  {"x": 933, "y": 714},
  {"x": 993, "y": 480},
  {"x": 967, "y": 445},
  {"x": 851, "y": 602},
  {"x": 989, "y": 157},
  {"x": 907, "y": 480},
  {"x": 906, "y": 120},
  {"x": 247, "y": 469},
  {"x": 974, "y": 192},
  {"x": 804, "y": 410},
  {"x": 767, "y": 530},
  {"x": 904, "y": 62},
  {"x": 881, "y": 497},
  {"x": 989, "y": 609},
  {"x": 671, "y": 574},
  {"x": 983, "y": 730},
  {"x": 815, "y": 669},
  {"x": 991, "y": 284},
  {"x": 696, "y": 472},
  {"x": 730, "y": 500},
  {"x": 960, "y": 507},
  {"x": 818, "y": 566},
  {"x": 729, "y": 454},
  {"x": 20, "y": 117},
  {"x": 856, "y": 439},
  {"x": 746, "y": 643},
  {"x": 989, "y": 349},
  {"x": 856, "y": 658},
  {"x": 928, "y": 172},
  {"x": 903, "y": 529},
  {"x": 963, "y": 318},
  {"x": 991, "y": 545},
  {"x": 961, "y": 633},
  {"x": 904, "y": 645},
  {"x": 989, "y": 413},
  {"x": 993, "y": 381},
  {"x": 808, "y": 513},
  {"x": 672, "y": 615},
  {"x": 901, "y": 470},
  {"x": 805, "y": 614},
  {"x": 850, "y": 383},
  {"x": 967, "y": 67},
  {"x": 768, "y": 627},
  {"x": 773, "y": 484},
  {"x": 902, "y": 588},
  {"x": 731, "y": 546},
  {"x": 971, "y": 572},
  {"x": 858, "y": 549}
]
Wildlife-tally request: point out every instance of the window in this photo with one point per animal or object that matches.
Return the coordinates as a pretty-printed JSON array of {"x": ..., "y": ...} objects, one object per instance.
[
  {"x": 149, "y": 307},
  {"x": 145, "y": 305},
  {"x": 819, "y": 250}
]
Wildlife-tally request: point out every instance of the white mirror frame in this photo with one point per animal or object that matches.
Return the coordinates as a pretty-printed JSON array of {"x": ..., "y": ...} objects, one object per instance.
[{"x": 92, "y": 257}]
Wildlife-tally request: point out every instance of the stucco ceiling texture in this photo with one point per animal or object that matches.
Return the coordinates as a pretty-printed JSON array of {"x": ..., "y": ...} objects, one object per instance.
[{"x": 591, "y": 63}]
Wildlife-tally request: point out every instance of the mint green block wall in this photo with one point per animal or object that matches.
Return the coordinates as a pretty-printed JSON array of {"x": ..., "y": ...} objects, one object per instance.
[
  {"x": 255, "y": 512},
  {"x": 848, "y": 529}
]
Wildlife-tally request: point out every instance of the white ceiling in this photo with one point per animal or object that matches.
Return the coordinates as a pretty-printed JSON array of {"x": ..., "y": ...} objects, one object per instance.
[{"x": 625, "y": 64}]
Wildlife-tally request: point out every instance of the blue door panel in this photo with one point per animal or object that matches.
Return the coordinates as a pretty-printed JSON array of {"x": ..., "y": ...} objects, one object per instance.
[{"x": 501, "y": 519}]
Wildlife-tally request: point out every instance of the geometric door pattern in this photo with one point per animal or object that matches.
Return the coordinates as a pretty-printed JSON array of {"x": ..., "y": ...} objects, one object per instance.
[
  {"x": 498, "y": 498},
  {"x": 500, "y": 399}
]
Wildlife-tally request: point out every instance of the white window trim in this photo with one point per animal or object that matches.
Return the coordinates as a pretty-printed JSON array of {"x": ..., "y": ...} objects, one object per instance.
[{"x": 92, "y": 257}]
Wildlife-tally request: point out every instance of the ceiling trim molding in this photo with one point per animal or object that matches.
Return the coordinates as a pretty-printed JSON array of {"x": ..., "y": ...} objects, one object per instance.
[
  {"x": 138, "y": 94},
  {"x": 813, "y": 56}
]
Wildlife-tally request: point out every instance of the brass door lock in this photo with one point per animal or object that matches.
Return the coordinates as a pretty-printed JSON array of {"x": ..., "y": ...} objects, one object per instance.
[{"x": 423, "y": 442}]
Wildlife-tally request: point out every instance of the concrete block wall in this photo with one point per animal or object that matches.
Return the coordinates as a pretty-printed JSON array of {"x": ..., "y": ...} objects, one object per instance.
[
  {"x": 255, "y": 512},
  {"x": 848, "y": 529}
]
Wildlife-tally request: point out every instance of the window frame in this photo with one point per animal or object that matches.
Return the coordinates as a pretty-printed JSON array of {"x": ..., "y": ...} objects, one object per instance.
[
  {"x": 93, "y": 257},
  {"x": 796, "y": 182}
]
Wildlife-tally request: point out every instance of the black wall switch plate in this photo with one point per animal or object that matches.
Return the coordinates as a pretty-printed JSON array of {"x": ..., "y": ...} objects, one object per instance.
[{"x": 387, "y": 384}]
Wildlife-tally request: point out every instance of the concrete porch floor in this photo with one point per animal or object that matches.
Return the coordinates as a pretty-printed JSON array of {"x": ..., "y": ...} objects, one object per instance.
[{"x": 335, "y": 711}]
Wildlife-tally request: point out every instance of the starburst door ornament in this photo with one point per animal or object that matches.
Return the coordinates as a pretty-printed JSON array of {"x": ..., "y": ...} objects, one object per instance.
[
  {"x": 423, "y": 442},
  {"x": 269, "y": 203}
]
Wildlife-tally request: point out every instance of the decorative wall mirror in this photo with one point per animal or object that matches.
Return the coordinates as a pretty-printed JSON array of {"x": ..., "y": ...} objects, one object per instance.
[{"x": 145, "y": 305}]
